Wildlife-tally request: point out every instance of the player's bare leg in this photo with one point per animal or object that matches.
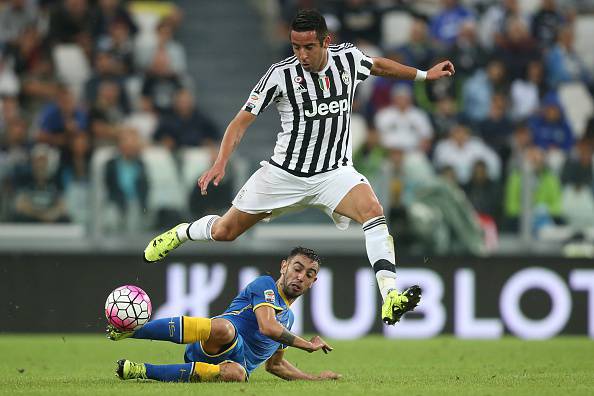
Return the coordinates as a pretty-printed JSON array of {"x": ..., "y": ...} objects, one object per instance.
[
  {"x": 222, "y": 334},
  {"x": 361, "y": 204},
  {"x": 208, "y": 228}
]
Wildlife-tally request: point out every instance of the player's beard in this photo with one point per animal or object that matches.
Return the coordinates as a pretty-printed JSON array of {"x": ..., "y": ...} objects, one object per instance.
[{"x": 287, "y": 291}]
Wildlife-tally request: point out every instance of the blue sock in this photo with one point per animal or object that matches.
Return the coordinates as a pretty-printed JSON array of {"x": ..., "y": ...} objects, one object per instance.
[
  {"x": 166, "y": 329},
  {"x": 169, "y": 372}
]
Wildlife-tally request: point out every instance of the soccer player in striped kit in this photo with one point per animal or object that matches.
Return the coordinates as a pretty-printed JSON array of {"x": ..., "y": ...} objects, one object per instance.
[{"x": 312, "y": 163}]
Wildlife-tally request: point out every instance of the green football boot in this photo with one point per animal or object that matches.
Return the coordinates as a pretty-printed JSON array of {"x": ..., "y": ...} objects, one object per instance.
[
  {"x": 160, "y": 246},
  {"x": 115, "y": 334},
  {"x": 397, "y": 304},
  {"x": 129, "y": 370}
]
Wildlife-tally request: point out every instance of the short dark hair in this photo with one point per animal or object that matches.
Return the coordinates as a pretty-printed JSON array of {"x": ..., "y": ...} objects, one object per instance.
[
  {"x": 309, "y": 253},
  {"x": 307, "y": 20}
]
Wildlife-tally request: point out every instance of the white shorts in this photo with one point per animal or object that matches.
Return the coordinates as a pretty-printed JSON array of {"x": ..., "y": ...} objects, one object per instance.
[{"x": 274, "y": 191}]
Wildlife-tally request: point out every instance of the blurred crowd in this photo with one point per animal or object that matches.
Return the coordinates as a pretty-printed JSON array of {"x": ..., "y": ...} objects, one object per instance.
[
  {"x": 81, "y": 76},
  {"x": 455, "y": 161},
  {"x": 499, "y": 131}
]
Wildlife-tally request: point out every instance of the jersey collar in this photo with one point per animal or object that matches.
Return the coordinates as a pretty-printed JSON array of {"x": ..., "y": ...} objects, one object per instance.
[{"x": 285, "y": 299}]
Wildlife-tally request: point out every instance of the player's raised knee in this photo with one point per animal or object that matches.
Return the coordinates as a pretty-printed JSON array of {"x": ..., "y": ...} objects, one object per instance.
[
  {"x": 371, "y": 210},
  {"x": 232, "y": 372},
  {"x": 223, "y": 233},
  {"x": 222, "y": 331}
]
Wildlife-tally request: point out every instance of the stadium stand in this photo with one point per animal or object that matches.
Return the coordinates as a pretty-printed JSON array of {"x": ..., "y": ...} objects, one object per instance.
[{"x": 37, "y": 57}]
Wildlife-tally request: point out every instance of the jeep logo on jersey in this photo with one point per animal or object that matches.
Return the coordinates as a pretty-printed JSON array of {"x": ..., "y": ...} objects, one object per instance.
[{"x": 326, "y": 107}]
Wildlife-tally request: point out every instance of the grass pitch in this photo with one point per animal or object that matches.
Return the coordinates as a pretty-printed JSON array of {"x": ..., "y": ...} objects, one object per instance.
[{"x": 84, "y": 364}]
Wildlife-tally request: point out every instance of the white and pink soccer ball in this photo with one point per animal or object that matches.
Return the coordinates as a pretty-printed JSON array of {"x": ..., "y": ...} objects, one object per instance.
[{"x": 128, "y": 308}]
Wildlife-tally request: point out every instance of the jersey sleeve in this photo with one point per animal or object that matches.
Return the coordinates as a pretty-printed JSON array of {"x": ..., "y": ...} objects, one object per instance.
[
  {"x": 262, "y": 292},
  {"x": 267, "y": 89},
  {"x": 363, "y": 64}
]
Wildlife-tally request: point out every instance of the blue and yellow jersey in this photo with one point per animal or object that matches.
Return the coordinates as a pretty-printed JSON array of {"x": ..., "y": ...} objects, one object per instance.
[{"x": 261, "y": 292}]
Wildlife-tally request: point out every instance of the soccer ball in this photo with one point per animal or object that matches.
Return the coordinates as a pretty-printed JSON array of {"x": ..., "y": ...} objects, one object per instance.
[{"x": 128, "y": 308}]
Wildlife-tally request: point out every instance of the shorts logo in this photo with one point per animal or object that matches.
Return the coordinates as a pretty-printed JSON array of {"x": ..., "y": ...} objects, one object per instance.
[
  {"x": 250, "y": 105},
  {"x": 269, "y": 296},
  {"x": 254, "y": 97},
  {"x": 346, "y": 77}
]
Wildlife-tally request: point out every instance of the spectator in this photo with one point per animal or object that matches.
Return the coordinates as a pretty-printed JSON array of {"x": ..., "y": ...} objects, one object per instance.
[
  {"x": 517, "y": 49},
  {"x": 578, "y": 169},
  {"x": 70, "y": 22},
  {"x": 15, "y": 149},
  {"x": 550, "y": 129},
  {"x": 106, "y": 68},
  {"x": 521, "y": 140},
  {"x": 589, "y": 132},
  {"x": 381, "y": 91},
  {"x": 144, "y": 120},
  {"x": 479, "y": 89},
  {"x": 161, "y": 84},
  {"x": 445, "y": 116},
  {"x": 466, "y": 52},
  {"x": 39, "y": 199},
  {"x": 546, "y": 23},
  {"x": 370, "y": 157},
  {"x": 494, "y": 21},
  {"x": 546, "y": 194},
  {"x": 119, "y": 44},
  {"x": 403, "y": 122},
  {"x": 9, "y": 111},
  {"x": 9, "y": 82},
  {"x": 496, "y": 129},
  {"x": 360, "y": 22},
  {"x": 14, "y": 18},
  {"x": 564, "y": 64},
  {"x": 62, "y": 119},
  {"x": 74, "y": 178},
  {"x": 578, "y": 181},
  {"x": 419, "y": 50},
  {"x": 106, "y": 114},
  {"x": 109, "y": 12},
  {"x": 526, "y": 92},
  {"x": 34, "y": 67},
  {"x": 165, "y": 46},
  {"x": 482, "y": 192},
  {"x": 461, "y": 152},
  {"x": 186, "y": 125},
  {"x": 445, "y": 25},
  {"x": 126, "y": 181}
]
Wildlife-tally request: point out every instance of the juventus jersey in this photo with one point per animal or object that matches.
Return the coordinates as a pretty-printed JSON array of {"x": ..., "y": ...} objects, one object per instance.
[{"x": 314, "y": 108}]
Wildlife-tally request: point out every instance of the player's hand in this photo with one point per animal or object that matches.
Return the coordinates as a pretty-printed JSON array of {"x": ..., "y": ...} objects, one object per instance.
[
  {"x": 442, "y": 69},
  {"x": 329, "y": 375},
  {"x": 214, "y": 174},
  {"x": 317, "y": 343}
]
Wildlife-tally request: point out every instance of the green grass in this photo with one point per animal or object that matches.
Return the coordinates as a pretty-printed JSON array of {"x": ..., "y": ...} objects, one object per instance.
[{"x": 83, "y": 364}]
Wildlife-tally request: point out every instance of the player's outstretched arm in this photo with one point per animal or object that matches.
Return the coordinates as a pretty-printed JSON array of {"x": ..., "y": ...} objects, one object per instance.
[
  {"x": 389, "y": 68},
  {"x": 270, "y": 327},
  {"x": 231, "y": 139},
  {"x": 282, "y": 368}
]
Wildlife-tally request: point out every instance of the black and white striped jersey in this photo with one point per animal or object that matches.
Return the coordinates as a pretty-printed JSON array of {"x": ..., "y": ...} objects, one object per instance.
[{"x": 314, "y": 108}]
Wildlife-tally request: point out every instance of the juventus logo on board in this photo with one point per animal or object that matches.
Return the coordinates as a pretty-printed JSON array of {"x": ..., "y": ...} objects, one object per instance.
[{"x": 324, "y": 83}]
